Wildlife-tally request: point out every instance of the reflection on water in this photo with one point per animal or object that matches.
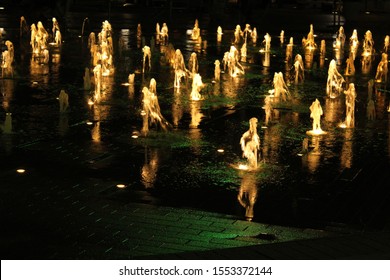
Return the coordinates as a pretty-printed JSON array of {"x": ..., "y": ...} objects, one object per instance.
[
  {"x": 309, "y": 58},
  {"x": 63, "y": 124},
  {"x": 380, "y": 104},
  {"x": 39, "y": 71},
  {"x": 196, "y": 114},
  {"x": 177, "y": 107},
  {"x": 95, "y": 133},
  {"x": 7, "y": 91},
  {"x": 347, "y": 152},
  {"x": 266, "y": 59},
  {"x": 333, "y": 110},
  {"x": 150, "y": 167},
  {"x": 312, "y": 159},
  {"x": 271, "y": 142},
  {"x": 35, "y": 110},
  {"x": 247, "y": 194}
]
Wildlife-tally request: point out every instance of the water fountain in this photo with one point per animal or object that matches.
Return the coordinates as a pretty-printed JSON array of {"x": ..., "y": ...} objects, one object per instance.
[
  {"x": 64, "y": 101},
  {"x": 254, "y": 36},
  {"x": 7, "y": 60},
  {"x": 323, "y": 48},
  {"x": 11, "y": 51},
  {"x": 197, "y": 85},
  {"x": 316, "y": 113},
  {"x": 386, "y": 44},
  {"x": 91, "y": 41},
  {"x": 334, "y": 84},
  {"x": 340, "y": 39},
  {"x": 281, "y": 37},
  {"x": 232, "y": 62},
  {"x": 164, "y": 37},
  {"x": 219, "y": 30},
  {"x": 56, "y": 27},
  {"x": 267, "y": 43},
  {"x": 217, "y": 71},
  {"x": 153, "y": 86},
  {"x": 299, "y": 69},
  {"x": 193, "y": 64},
  {"x": 382, "y": 70},
  {"x": 243, "y": 52},
  {"x": 23, "y": 27},
  {"x": 350, "y": 67},
  {"x": 366, "y": 60},
  {"x": 151, "y": 112},
  {"x": 158, "y": 33},
  {"x": 368, "y": 44},
  {"x": 237, "y": 34},
  {"x": 247, "y": 31},
  {"x": 354, "y": 43},
  {"x": 58, "y": 39},
  {"x": 83, "y": 27},
  {"x": 350, "y": 96},
  {"x": 288, "y": 120},
  {"x": 147, "y": 59},
  {"x": 280, "y": 90},
  {"x": 219, "y": 34},
  {"x": 195, "y": 31},
  {"x": 309, "y": 41},
  {"x": 39, "y": 38},
  {"x": 250, "y": 145},
  {"x": 131, "y": 78},
  {"x": 179, "y": 75}
]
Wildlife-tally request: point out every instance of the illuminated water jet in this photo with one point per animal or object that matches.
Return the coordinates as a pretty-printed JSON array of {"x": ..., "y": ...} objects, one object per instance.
[{"x": 250, "y": 144}]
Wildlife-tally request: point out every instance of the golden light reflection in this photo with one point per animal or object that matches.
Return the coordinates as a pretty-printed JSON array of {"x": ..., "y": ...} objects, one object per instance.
[
  {"x": 313, "y": 157},
  {"x": 95, "y": 133},
  {"x": 220, "y": 150},
  {"x": 271, "y": 142},
  {"x": 196, "y": 114},
  {"x": 247, "y": 194},
  {"x": 150, "y": 167},
  {"x": 243, "y": 167},
  {"x": 63, "y": 124},
  {"x": 7, "y": 89},
  {"x": 333, "y": 111},
  {"x": 20, "y": 170},
  {"x": 346, "y": 155},
  {"x": 121, "y": 186},
  {"x": 177, "y": 107},
  {"x": 266, "y": 59},
  {"x": 309, "y": 58}
]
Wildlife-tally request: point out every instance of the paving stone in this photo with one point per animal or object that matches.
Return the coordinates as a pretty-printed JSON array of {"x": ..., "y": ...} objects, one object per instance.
[
  {"x": 207, "y": 228},
  {"x": 210, "y": 234},
  {"x": 207, "y": 245},
  {"x": 232, "y": 242}
]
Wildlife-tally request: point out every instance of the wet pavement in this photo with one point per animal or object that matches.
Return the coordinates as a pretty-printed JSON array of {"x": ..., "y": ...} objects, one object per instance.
[{"x": 180, "y": 193}]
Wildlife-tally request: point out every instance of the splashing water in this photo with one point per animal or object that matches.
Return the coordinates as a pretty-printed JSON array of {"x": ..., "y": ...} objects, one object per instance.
[{"x": 250, "y": 144}]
